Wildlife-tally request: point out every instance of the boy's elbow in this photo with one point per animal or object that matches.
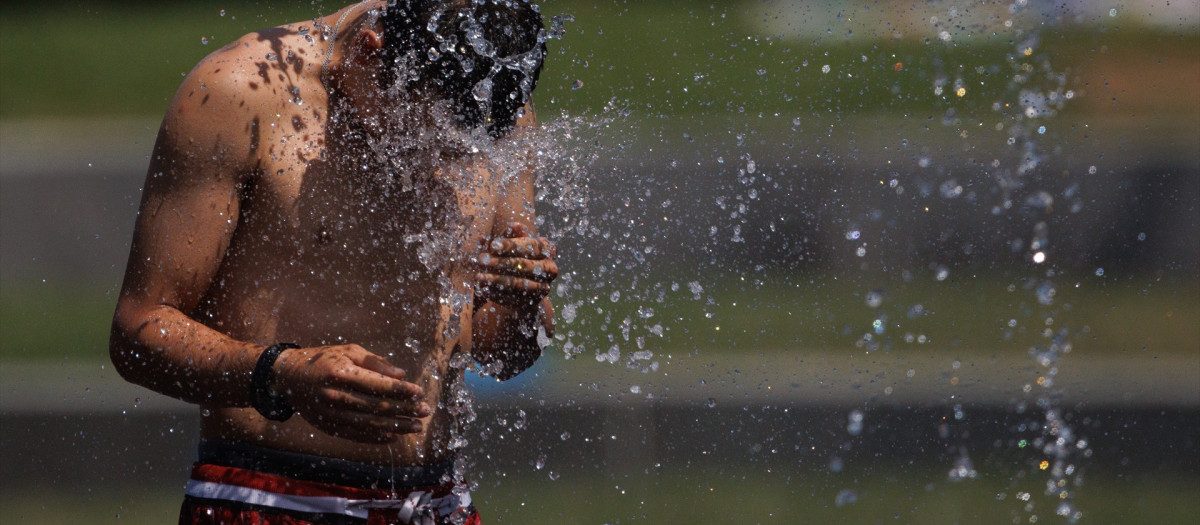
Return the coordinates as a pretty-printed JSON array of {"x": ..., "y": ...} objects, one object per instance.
[
  {"x": 121, "y": 352},
  {"x": 123, "y": 348},
  {"x": 503, "y": 343},
  {"x": 509, "y": 363}
]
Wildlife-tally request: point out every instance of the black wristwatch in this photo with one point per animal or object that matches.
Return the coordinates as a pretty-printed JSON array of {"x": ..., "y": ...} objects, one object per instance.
[{"x": 268, "y": 402}]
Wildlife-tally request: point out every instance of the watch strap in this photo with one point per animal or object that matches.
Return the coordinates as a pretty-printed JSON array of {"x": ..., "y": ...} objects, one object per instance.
[{"x": 268, "y": 402}]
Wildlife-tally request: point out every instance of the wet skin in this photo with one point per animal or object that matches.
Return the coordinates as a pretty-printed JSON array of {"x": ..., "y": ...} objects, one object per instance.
[{"x": 258, "y": 225}]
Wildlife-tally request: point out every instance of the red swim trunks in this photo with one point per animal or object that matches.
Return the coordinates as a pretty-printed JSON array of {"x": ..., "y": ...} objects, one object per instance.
[{"x": 326, "y": 491}]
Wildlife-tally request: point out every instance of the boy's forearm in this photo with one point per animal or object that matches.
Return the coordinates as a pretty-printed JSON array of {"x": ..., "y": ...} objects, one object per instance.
[
  {"x": 164, "y": 350},
  {"x": 505, "y": 339}
]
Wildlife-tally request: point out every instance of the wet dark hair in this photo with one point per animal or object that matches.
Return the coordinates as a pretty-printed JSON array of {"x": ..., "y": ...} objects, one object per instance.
[{"x": 453, "y": 48}]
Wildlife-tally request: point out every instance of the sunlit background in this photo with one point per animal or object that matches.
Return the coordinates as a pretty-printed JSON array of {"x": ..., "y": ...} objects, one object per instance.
[{"x": 827, "y": 262}]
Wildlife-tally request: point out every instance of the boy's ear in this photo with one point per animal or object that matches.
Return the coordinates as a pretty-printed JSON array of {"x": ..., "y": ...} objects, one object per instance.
[{"x": 369, "y": 40}]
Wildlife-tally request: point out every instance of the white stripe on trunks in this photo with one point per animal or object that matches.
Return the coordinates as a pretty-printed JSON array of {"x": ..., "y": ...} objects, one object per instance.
[{"x": 414, "y": 503}]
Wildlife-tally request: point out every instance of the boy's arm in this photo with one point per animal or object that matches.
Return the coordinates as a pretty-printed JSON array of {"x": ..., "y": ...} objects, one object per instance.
[
  {"x": 513, "y": 282},
  {"x": 190, "y": 211}
]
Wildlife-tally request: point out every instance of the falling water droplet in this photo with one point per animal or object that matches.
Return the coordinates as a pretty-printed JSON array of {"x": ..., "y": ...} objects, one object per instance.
[{"x": 855, "y": 425}]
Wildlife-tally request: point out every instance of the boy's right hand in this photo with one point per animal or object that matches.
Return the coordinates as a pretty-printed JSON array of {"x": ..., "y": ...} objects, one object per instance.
[{"x": 348, "y": 392}]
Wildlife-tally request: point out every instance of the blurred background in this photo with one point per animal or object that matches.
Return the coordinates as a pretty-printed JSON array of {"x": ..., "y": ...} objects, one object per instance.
[{"x": 830, "y": 262}]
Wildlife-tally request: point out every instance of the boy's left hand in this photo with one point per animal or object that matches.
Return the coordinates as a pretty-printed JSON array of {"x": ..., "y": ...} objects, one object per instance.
[{"x": 516, "y": 271}]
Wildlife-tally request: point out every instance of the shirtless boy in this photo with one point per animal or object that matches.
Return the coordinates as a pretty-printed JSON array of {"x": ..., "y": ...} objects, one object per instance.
[{"x": 329, "y": 233}]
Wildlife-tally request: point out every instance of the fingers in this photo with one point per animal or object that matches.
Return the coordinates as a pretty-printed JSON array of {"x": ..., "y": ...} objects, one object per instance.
[
  {"x": 515, "y": 229},
  {"x": 369, "y": 382},
  {"x": 376, "y": 363},
  {"x": 528, "y": 247},
  {"x": 540, "y": 270},
  {"x": 352, "y": 369},
  {"x": 548, "y": 316},
  {"x": 349, "y": 392},
  {"x": 498, "y": 287},
  {"x": 345, "y": 402}
]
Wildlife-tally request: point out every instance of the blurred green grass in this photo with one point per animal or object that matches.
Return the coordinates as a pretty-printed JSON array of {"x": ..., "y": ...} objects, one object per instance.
[
  {"x": 969, "y": 317},
  {"x": 701, "y": 496},
  {"x": 679, "y": 59}
]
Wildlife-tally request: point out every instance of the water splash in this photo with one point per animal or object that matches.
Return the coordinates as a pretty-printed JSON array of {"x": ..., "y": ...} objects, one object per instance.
[{"x": 1038, "y": 92}]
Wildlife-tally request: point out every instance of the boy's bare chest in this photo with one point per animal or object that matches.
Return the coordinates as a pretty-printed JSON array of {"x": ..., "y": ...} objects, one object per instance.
[{"x": 358, "y": 222}]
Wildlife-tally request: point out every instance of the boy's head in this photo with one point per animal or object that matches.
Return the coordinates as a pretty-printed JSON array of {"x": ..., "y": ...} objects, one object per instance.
[{"x": 483, "y": 56}]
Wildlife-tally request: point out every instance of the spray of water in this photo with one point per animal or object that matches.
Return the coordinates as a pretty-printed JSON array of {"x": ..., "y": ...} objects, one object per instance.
[
  {"x": 1036, "y": 91},
  {"x": 609, "y": 290}
]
